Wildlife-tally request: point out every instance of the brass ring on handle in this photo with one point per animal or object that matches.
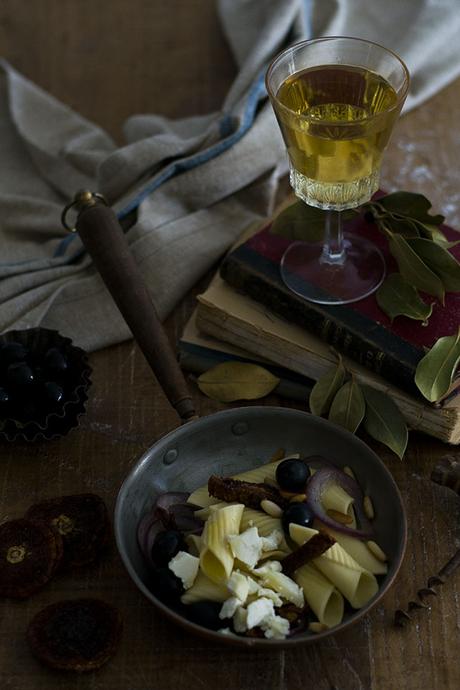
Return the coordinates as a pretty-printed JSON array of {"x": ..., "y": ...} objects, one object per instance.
[{"x": 83, "y": 199}]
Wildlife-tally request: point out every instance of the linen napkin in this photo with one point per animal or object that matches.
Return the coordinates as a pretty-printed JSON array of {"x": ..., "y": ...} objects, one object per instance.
[{"x": 193, "y": 183}]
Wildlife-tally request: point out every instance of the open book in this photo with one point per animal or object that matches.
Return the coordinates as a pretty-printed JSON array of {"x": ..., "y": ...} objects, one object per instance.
[{"x": 233, "y": 318}]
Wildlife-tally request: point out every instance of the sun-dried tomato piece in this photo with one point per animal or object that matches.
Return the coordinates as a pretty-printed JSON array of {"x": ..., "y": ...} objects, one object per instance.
[
  {"x": 81, "y": 520},
  {"x": 30, "y": 552},
  {"x": 76, "y": 634},
  {"x": 249, "y": 493},
  {"x": 313, "y": 548}
]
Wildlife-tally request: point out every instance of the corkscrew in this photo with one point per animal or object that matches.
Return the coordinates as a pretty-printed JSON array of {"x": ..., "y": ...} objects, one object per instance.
[{"x": 445, "y": 473}]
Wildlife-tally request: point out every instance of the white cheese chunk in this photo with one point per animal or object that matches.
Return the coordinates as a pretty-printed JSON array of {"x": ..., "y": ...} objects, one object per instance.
[
  {"x": 229, "y": 607},
  {"x": 259, "y": 611},
  {"x": 238, "y": 585},
  {"x": 272, "y": 541},
  {"x": 185, "y": 567},
  {"x": 270, "y": 594},
  {"x": 268, "y": 567},
  {"x": 286, "y": 587},
  {"x": 247, "y": 546},
  {"x": 226, "y": 631},
  {"x": 240, "y": 620},
  {"x": 276, "y": 628}
]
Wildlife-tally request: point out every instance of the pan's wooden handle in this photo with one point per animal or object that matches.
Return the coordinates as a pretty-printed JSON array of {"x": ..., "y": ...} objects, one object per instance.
[{"x": 105, "y": 241}]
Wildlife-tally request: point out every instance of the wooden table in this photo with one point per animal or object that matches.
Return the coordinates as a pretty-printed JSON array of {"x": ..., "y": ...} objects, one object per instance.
[{"x": 109, "y": 60}]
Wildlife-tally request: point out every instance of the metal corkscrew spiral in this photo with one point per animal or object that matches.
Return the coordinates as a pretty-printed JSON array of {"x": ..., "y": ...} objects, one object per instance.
[{"x": 446, "y": 473}]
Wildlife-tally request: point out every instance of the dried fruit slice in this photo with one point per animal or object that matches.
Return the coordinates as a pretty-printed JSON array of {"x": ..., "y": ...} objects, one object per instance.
[
  {"x": 75, "y": 634},
  {"x": 81, "y": 520},
  {"x": 30, "y": 552}
]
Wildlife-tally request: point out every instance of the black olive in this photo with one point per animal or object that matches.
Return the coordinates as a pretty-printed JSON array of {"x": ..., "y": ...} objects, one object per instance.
[
  {"x": 205, "y": 613},
  {"x": 166, "y": 545},
  {"x": 53, "y": 392},
  {"x": 19, "y": 374},
  {"x": 55, "y": 361},
  {"x": 166, "y": 586},
  {"x": 292, "y": 475},
  {"x": 299, "y": 514},
  {"x": 12, "y": 352}
]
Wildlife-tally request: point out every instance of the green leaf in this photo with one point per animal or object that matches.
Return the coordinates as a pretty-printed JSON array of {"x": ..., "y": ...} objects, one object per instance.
[
  {"x": 231, "y": 381},
  {"x": 396, "y": 297},
  {"x": 384, "y": 421},
  {"x": 410, "y": 204},
  {"x": 441, "y": 262},
  {"x": 302, "y": 222},
  {"x": 413, "y": 269},
  {"x": 435, "y": 234},
  {"x": 436, "y": 369},
  {"x": 325, "y": 388},
  {"x": 404, "y": 226},
  {"x": 348, "y": 406}
]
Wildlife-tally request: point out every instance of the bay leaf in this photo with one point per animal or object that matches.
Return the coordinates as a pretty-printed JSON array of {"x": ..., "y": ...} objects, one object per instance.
[
  {"x": 435, "y": 234},
  {"x": 325, "y": 388},
  {"x": 232, "y": 381},
  {"x": 437, "y": 368},
  {"x": 413, "y": 268},
  {"x": 410, "y": 204},
  {"x": 407, "y": 227},
  {"x": 348, "y": 406},
  {"x": 299, "y": 221},
  {"x": 396, "y": 297},
  {"x": 439, "y": 260},
  {"x": 384, "y": 421}
]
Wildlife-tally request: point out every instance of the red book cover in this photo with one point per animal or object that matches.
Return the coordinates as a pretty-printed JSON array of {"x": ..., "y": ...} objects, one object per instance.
[{"x": 361, "y": 329}]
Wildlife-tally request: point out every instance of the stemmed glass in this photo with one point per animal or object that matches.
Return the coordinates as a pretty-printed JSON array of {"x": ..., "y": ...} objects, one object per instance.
[{"x": 336, "y": 100}]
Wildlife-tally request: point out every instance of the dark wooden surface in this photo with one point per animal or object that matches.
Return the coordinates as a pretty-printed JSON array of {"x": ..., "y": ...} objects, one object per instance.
[{"x": 109, "y": 60}]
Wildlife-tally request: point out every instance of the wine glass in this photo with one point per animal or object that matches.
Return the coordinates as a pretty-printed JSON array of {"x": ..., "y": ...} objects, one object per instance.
[{"x": 336, "y": 100}]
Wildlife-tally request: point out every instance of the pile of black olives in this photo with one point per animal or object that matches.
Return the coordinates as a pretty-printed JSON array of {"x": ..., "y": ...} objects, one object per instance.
[{"x": 32, "y": 384}]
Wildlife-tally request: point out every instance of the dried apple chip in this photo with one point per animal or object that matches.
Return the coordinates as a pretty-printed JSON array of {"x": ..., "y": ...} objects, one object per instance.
[
  {"x": 30, "y": 552},
  {"x": 81, "y": 520},
  {"x": 75, "y": 634}
]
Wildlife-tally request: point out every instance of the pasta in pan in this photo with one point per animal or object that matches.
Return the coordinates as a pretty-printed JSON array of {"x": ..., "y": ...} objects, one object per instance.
[{"x": 255, "y": 564}]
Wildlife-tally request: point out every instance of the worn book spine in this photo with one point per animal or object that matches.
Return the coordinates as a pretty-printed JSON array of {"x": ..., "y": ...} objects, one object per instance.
[{"x": 350, "y": 332}]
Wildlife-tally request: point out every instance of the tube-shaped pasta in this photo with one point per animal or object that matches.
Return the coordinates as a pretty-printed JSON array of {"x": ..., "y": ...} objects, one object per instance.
[
  {"x": 201, "y": 497},
  {"x": 354, "y": 582},
  {"x": 265, "y": 525},
  {"x": 323, "y": 598},
  {"x": 204, "y": 589},
  {"x": 216, "y": 558},
  {"x": 360, "y": 551},
  {"x": 336, "y": 498}
]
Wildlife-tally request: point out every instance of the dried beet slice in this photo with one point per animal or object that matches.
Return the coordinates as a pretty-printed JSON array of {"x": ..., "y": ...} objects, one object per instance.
[
  {"x": 30, "y": 552},
  {"x": 81, "y": 520},
  {"x": 75, "y": 634}
]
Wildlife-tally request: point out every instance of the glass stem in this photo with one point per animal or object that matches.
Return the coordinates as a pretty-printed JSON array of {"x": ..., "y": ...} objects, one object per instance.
[{"x": 333, "y": 249}]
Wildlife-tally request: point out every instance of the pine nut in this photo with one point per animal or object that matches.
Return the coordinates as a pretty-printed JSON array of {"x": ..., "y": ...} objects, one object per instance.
[
  {"x": 277, "y": 455},
  {"x": 299, "y": 498},
  {"x": 340, "y": 517},
  {"x": 317, "y": 627},
  {"x": 271, "y": 508},
  {"x": 377, "y": 551},
  {"x": 368, "y": 507},
  {"x": 349, "y": 471}
]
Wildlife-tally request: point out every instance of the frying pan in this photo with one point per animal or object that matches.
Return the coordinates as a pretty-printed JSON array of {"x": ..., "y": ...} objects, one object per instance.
[{"x": 222, "y": 443}]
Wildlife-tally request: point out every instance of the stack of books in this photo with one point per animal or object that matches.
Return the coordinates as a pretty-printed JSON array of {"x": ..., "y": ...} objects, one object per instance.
[{"x": 248, "y": 314}]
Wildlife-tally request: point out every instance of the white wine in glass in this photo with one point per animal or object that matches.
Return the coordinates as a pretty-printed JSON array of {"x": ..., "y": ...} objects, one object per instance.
[{"x": 336, "y": 100}]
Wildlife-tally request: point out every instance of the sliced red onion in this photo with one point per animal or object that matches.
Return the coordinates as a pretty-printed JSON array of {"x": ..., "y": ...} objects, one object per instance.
[
  {"x": 316, "y": 487},
  {"x": 317, "y": 462},
  {"x": 170, "y": 498},
  {"x": 149, "y": 526},
  {"x": 183, "y": 518},
  {"x": 169, "y": 512}
]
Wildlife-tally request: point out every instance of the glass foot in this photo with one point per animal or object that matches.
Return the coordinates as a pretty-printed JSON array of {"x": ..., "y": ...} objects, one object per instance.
[{"x": 355, "y": 275}]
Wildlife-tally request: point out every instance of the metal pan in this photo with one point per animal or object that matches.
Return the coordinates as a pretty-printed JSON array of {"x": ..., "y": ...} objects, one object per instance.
[{"x": 222, "y": 443}]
